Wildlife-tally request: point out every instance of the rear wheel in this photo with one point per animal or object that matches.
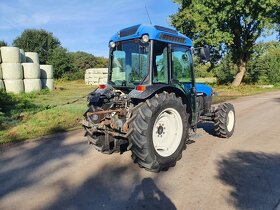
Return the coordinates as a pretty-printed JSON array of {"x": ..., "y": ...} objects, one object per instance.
[
  {"x": 224, "y": 120},
  {"x": 160, "y": 130}
]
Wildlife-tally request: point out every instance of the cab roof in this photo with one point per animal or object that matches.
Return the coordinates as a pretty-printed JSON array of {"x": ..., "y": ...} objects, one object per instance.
[{"x": 155, "y": 32}]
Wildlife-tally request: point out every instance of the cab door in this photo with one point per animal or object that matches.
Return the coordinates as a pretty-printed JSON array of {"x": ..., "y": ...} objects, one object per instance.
[{"x": 182, "y": 74}]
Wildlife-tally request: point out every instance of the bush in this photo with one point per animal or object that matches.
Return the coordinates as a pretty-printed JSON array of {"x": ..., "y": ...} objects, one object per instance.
[
  {"x": 61, "y": 61},
  {"x": 225, "y": 71},
  {"x": 76, "y": 75},
  {"x": 264, "y": 65}
]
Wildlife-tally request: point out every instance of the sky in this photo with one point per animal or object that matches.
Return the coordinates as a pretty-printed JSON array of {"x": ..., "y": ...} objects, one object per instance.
[{"x": 80, "y": 25}]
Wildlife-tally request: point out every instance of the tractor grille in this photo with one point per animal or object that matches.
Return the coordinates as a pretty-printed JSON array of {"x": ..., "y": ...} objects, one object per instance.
[
  {"x": 129, "y": 31},
  {"x": 169, "y": 30},
  {"x": 172, "y": 38}
]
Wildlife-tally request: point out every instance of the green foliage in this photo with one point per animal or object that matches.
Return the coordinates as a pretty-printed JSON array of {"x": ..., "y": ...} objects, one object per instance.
[
  {"x": 39, "y": 41},
  {"x": 75, "y": 75},
  {"x": 61, "y": 61},
  {"x": 83, "y": 60},
  {"x": 202, "y": 69},
  {"x": 101, "y": 62},
  {"x": 70, "y": 66},
  {"x": 264, "y": 66},
  {"x": 225, "y": 70},
  {"x": 3, "y": 43},
  {"x": 229, "y": 26}
]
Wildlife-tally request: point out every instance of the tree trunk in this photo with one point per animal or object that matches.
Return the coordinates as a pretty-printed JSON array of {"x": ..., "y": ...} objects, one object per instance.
[{"x": 239, "y": 76}]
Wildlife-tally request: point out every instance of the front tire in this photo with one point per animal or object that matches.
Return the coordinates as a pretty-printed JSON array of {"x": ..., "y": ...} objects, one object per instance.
[
  {"x": 224, "y": 121},
  {"x": 160, "y": 130}
]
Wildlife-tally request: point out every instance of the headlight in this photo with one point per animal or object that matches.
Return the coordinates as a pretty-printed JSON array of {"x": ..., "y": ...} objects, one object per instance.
[
  {"x": 145, "y": 38},
  {"x": 112, "y": 44}
]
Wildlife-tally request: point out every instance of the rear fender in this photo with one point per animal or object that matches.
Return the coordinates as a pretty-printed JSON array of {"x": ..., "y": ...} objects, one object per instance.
[{"x": 151, "y": 90}]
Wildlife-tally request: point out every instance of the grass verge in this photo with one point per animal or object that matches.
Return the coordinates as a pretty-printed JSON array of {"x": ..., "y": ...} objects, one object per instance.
[{"x": 27, "y": 116}]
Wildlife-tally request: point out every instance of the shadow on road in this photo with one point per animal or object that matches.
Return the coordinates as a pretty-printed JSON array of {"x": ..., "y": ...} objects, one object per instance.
[
  {"x": 17, "y": 170},
  {"x": 112, "y": 188},
  {"x": 37, "y": 170},
  {"x": 277, "y": 100},
  {"x": 147, "y": 195},
  {"x": 254, "y": 178},
  {"x": 208, "y": 127}
]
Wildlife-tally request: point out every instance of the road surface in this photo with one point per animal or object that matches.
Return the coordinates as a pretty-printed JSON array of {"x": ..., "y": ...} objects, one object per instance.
[{"x": 63, "y": 172}]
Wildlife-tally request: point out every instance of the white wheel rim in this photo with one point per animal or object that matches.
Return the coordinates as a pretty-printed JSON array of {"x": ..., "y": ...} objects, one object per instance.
[
  {"x": 167, "y": 132},
  {"x": 230, "y": 121}
]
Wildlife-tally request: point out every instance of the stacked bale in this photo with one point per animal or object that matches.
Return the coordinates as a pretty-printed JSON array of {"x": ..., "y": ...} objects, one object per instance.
[
  {"x": 11, "y": 69},
  {"x": 22, "y": 56},
  {"x": 2, "y": 86},
  {"x": 32, "y": 57},
  {"x": 47, "y": 76},
  {"x": 21, "y": 71},
  {"x": 95, "y": 76},
  {"x": 31, "y": 71}
]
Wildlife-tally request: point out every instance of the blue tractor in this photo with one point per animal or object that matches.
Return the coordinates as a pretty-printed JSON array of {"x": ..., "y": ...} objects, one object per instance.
[{"x": 151, "y": 103}]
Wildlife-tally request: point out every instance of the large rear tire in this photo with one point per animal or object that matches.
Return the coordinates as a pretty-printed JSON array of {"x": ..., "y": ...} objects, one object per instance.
[
  {"x": 224, "y": 120},
  {"x": 159, "y": 132}
]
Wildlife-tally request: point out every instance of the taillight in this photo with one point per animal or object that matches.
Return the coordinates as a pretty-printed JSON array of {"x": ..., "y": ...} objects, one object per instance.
[
  {"x": 141, "y": 87},
  {"x": 102, "y": 86}
]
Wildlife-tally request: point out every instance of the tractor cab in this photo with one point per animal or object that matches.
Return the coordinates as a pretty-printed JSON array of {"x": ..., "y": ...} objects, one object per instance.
[
  {"x": 146, "y": 58},
  {"x": 146, "y": 55}
]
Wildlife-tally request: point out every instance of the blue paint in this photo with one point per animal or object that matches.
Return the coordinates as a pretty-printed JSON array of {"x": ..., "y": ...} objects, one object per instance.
[
  {"x": 153, "y": 33},
  {"x": 200, "y": 88}
]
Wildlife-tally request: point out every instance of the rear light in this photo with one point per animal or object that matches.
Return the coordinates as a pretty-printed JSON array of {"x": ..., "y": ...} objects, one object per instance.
[
  {"x": 141, "y": 87},
  {"x": 102, "y": 86}
]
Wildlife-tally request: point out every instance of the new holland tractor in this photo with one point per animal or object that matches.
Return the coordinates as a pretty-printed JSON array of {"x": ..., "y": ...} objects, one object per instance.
[{"x": 151, "y": 102}]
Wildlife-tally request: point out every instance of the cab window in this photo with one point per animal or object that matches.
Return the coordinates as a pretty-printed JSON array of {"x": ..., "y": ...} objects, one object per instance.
[
  {"x": 160, "y": 64},
  {"x": 181, "y": 64}
]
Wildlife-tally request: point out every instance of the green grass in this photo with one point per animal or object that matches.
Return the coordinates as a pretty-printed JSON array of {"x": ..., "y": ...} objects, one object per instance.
[
  {"x": 28, "y": 116},
  {"x": 33, "y": 115},
  {"x": 226, "y": 92}
]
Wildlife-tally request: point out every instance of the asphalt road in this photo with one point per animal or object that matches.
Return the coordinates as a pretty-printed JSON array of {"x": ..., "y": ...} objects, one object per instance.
[{"x": 63, "y": 172}]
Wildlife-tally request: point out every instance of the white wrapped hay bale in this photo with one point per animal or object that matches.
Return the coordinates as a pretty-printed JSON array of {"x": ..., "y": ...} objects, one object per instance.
[
  {"x": 31, "y": 70},
  {"x": 1, "y": 75},
  {"x": 32, "y": 57},
  {"x": 2, "y": 86},
  {"x": 103, "y": 71},
  {"x": 31, "y": 85},
  {"x": 14, "y": 86},
  {"x": 47, "y": 84},
  {"x": 12, "y": 71},
  {"x": 46, "y": 71},
  {"x": 22, "y": 56},
  {"x": 10, "y": 54}
]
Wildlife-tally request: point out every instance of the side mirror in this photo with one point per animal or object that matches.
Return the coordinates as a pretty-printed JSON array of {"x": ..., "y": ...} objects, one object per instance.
[{"x": 204, "y": 54}]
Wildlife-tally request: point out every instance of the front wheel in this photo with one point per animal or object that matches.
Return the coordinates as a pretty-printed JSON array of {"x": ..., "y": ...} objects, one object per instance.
[
  {"x": 160, "y": 130},
  {"x": 224, "y": 121}
]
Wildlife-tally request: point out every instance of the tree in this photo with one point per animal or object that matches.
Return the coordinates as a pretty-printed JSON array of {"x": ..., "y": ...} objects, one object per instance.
[
  {"x": 264, "y": 65},
  {"x": 101, "y": 62},
  {"x": 61, "y": 61},
  {"x": 39, "y": 41},
  {"x": 3, "y": 43},
  {"x": 233, "y": 25},
  {"x": 225, "y": 70},
  {"x": 83, "y": 60}
]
